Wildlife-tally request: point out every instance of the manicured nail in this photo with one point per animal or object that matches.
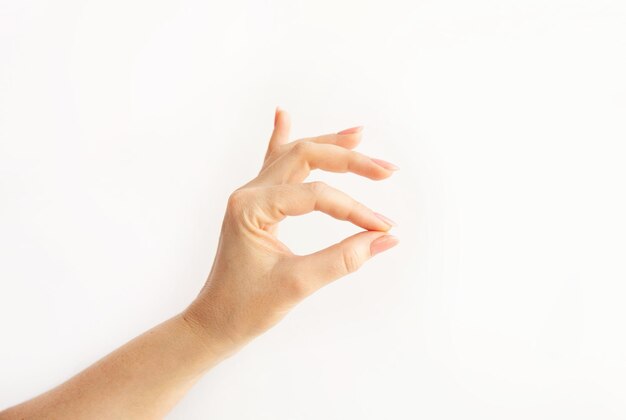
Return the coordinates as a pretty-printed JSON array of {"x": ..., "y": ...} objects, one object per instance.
[
  {"x": 386, "y": 219},
  {"x": 383, "y": 243},
  {"x": 387, "y": 165},
  {"x": 276, "y": 115},
  {"x": 351, "y": 130}
]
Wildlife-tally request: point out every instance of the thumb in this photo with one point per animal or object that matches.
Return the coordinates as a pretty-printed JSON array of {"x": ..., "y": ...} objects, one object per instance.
[
  {"x": 344, "y": 257},
  {"x": 280, "y": 135}
]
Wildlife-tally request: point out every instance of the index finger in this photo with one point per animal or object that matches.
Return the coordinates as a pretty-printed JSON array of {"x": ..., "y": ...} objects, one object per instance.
[{"x": 296, "y": 164}]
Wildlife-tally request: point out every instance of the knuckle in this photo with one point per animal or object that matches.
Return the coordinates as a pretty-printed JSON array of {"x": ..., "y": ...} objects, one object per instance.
[
  {"x": 351, "y": 260},
  {"x": 356, "y": 159},
  {"x": 301, "y": 148},
  {"x": 298, "y": 287},
  {"x": 237, "y": 200},
  {"x": 359, "y": 208},
  {"x": 355, "y": 208},
  {"x": 318, "y": 187}
]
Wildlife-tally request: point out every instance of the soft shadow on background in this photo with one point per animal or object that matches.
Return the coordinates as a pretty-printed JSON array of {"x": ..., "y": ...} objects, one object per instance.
[{"x": 125, "y": 125}]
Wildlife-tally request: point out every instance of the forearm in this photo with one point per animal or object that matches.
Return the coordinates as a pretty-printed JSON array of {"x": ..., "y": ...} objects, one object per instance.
[{"x": 141, "y": 380}]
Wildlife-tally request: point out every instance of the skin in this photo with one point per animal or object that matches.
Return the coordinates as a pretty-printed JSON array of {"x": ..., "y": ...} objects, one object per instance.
[{"x": 255, "y": 281}]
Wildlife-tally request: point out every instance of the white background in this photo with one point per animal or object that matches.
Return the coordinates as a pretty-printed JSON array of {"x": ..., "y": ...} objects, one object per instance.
[{"x": 124, "y": 125}]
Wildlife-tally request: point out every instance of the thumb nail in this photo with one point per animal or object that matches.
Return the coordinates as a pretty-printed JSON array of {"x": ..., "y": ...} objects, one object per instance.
[
  {"x": 351, "y": 130},
  {"x": 276, "y": 115},
  {"x": 383, "y": 243}
]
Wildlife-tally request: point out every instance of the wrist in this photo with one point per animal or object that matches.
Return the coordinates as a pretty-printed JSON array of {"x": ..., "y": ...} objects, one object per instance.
[{"x": 213, "y": 338}]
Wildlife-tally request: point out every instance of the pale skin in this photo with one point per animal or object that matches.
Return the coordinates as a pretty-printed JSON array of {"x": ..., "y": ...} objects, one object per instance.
[{"x": 255, "y": 281}]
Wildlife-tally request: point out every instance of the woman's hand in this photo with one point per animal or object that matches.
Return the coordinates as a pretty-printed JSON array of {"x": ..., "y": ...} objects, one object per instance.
[
  {"x": 254, "y": 282},
  {"x": 256, "y": 279}
]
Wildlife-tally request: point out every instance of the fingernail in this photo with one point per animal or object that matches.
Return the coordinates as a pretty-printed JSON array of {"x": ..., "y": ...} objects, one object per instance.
[
  {"x": 382, "y": 244},
  {"x": 351, "y": 130},
  {"x": 387, "y": 165},
  {"x": 276, "y": 115},
  {"x": 386, "y": 219}
]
